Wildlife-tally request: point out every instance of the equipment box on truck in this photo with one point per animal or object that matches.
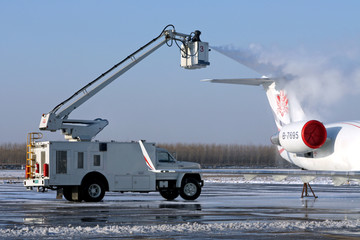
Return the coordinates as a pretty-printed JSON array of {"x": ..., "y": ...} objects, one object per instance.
[{"x": 85, "y": 170}]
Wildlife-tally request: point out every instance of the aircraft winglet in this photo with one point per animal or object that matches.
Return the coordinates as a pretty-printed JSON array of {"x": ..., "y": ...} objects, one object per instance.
[
  {"x": 148, "y": 161},
  {"x": 147, "y": 158}
]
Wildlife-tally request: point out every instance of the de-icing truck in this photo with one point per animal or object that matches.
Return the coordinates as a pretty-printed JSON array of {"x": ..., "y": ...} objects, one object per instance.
[{"x": 84, "y": 169}]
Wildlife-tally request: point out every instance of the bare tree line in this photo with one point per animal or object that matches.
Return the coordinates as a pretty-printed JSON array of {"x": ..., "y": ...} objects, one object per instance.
[
  {"x": 227, "y": 155},
  {"x": 208, "y": 155},
  {"x": 12, "y": 154}
]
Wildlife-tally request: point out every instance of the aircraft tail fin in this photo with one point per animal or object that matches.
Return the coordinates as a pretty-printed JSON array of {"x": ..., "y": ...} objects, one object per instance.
[{"x": 286, "y": 109}]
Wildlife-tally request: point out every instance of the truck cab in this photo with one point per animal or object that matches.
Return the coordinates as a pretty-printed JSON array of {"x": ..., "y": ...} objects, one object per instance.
[{"x": 186, "y": 185}]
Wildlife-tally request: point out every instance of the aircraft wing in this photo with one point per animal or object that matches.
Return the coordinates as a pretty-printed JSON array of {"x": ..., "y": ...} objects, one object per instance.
[
  {"x": 338, "y": 177},
  {"x": 270, "y": 172}
]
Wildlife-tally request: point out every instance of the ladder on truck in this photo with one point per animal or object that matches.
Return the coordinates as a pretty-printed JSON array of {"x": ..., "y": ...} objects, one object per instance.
[{"x": 30, "y": 154}]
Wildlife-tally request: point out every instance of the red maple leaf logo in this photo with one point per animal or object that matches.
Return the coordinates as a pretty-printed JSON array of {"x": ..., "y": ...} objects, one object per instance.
[{"x": 282, "y": 103}]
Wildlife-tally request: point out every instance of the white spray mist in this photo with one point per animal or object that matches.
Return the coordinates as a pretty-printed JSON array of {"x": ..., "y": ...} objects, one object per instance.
[{"x": 317, "y": 79}]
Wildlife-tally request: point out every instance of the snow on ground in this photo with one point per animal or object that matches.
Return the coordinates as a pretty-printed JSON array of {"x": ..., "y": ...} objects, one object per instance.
[
  {"x": 9, "y": 176},
  {"x": 255, "y": 212},
  {"x": 12, "y": 174},
  {"x": 185, "y": 228},
  {"x": 266, "y": 180}
]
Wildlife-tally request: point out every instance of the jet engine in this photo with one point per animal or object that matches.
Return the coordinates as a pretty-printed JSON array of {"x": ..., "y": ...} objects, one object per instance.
[{"x": 301, "y": 137}]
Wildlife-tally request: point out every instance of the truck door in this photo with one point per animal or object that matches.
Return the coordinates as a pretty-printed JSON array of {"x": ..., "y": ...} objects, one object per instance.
[{"x": 164, "y": 159}]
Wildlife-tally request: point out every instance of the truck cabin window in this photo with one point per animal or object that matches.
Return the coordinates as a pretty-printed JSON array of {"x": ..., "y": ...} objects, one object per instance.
[{"x": 165, "y": 157}]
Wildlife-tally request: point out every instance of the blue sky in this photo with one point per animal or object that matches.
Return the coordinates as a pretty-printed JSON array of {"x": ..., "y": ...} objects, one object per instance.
[{"x": 50, "y": 49}]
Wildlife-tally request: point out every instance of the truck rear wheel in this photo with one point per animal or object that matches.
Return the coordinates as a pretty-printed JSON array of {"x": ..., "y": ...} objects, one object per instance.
[
  {"x": 93, "y": 190},
  {"x": 169, "y": 193},
  {"x": 190, "y": 189}
]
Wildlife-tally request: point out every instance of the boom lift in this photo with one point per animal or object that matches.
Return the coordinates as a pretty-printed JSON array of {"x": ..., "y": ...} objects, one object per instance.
[{"x": 194, "y": 55}]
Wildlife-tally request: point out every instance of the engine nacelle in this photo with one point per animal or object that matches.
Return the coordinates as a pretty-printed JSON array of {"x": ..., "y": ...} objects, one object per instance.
[{"x": 301, "y": 137}]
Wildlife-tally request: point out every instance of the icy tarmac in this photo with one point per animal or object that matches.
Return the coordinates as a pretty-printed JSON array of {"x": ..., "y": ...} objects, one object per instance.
[{"x": 228, "y": 208}]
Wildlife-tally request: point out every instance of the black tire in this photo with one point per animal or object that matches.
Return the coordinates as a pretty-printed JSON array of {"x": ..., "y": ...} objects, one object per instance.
[
  {"x": 190, "y": 189},
  {"x": 93, "y": 190},
  {"x": 67, "y": 193},
  {"x": 169, "y": 193}
]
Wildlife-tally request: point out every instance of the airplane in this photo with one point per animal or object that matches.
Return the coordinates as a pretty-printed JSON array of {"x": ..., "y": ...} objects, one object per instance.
[
  {"x": 309, "y": 144},
  {"x": 305, "y": 142},
  {"x": 318, "y": 149}
]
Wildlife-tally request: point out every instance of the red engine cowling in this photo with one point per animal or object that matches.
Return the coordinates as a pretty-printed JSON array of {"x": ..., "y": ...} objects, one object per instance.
[{"x": 301, "y": 137}]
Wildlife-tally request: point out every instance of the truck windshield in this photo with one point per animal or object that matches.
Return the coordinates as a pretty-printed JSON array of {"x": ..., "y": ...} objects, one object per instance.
[{"x": 164, "y": 157}]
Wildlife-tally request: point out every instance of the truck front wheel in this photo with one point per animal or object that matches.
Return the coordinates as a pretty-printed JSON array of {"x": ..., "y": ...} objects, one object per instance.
[
  {"x": 93, "y": 190},
  {"x": 169, "y": 193},
  {"x": 190, "y": 189}
]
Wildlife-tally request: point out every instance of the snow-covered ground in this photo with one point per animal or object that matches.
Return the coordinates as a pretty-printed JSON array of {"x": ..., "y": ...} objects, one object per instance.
[
  {"x": 18, "y": 175},
  {"x": 13, "y": 174},
  {"x": 191, "y": 230},
  {"x": 268, "y": 180},
  {"x": 229, "y": 208}
]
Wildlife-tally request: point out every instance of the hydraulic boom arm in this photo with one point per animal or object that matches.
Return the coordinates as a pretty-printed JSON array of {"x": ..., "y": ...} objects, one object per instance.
[{"x": 194, "y": 54}]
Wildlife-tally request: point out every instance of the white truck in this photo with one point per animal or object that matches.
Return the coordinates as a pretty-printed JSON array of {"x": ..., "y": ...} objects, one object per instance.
[{"x": 85, "y": 170}]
